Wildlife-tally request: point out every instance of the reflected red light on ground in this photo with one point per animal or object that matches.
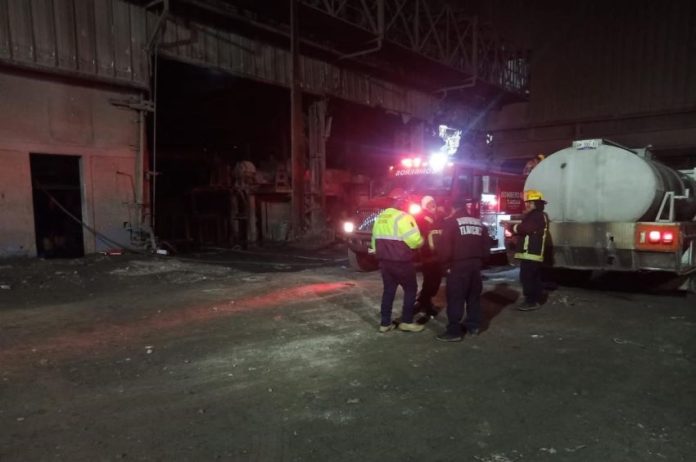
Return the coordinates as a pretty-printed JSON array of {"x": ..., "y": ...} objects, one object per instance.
[{"x": 104, "y": 336}]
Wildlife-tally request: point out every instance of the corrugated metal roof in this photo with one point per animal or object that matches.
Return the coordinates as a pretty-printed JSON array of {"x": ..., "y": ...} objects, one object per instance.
[
  {"x": 202, "y": 45},
  {"x": 107, "y": 40},
  {"x": 102, "y": 39}
]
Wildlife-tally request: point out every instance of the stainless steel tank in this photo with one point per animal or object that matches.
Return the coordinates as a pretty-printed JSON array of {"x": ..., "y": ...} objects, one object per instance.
[{"x": 598, "y": 182}]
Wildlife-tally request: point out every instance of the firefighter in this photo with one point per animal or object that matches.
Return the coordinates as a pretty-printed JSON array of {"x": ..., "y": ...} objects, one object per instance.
[
  {"x": 532, "y": 242},
  {"x": 529, "y": 166},
  {"x": 462, "y": 248},
  {"x": 432, "y": 270},
  {"x": 395, "y": 239}
]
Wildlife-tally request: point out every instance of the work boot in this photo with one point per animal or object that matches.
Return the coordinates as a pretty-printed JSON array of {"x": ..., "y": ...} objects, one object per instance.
[
  {"x": 383, "y": 329},
  {"x": 411, "y": 327},
  {"x": 447, "y": 337},
  {"x": 528, "y": 306},
  {"x": 431, "y": 312}
]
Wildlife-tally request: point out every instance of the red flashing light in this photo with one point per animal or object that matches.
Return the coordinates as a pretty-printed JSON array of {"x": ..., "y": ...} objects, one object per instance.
[
  {"x": 654, "y": 236},
  {"x": 657, "y": 238},
  {"x": 414, "y": 209},
  {"x": 416, "y": 162},
  {"x": 408, "y": 163}
]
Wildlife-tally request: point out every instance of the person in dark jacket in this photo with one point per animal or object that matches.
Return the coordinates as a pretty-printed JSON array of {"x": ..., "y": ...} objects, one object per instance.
[
  {"x": 429, "y": 226},
  {"x": 395, "y": 239},
  {"x": 463, "y": 246},
  {"x": 532, "y": 242}
]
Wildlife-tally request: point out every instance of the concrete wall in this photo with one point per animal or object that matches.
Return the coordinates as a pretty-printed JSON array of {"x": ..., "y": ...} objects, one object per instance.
[{"x": 43, "y": 116}]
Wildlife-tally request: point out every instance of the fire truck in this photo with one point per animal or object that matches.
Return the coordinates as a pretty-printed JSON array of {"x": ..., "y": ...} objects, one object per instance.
[{"x": 495, "y": 195}]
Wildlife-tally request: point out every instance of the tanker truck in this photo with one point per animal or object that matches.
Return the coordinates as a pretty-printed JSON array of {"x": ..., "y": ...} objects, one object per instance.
[{"x": 616, "y": 209}]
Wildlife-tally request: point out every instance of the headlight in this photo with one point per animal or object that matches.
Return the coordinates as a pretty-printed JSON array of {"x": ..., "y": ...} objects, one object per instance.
[
  {"x": 348, "y": 226},
  {"x": 414, "y": 209}
]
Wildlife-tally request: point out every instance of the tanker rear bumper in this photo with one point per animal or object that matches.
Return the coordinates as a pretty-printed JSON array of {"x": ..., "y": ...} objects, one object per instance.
[{"x": 612, "y": 247}]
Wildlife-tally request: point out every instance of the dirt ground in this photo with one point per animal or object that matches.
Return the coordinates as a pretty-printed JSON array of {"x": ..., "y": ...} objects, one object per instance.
[{"x": 275, "y": 356}]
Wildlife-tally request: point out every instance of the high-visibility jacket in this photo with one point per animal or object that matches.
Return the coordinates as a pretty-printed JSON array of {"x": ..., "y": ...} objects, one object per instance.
[
  {"x": 533, "y": 232},
  {"x": 395, "y": 236}
]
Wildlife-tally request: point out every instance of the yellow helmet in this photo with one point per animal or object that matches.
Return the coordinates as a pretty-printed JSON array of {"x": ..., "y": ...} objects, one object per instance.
[{"x": 533, "y": 195}]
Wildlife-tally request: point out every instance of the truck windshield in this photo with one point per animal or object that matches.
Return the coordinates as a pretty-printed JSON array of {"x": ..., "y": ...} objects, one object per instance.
[{"x": 419, "y": 184}]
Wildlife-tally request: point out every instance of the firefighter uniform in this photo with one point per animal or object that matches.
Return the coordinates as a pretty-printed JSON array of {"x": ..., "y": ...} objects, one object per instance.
[
  {"x": 462, "y": 248},
  {"x": 431, "y": 268},
  {"x": 532, "y": 244},
  {"x": 395, "y": 238}
]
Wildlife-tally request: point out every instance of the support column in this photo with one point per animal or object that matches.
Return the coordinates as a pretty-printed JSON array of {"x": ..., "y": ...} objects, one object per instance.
[
  {"x": 409, "y": 139},
  {"x": 297, "y": 153},
  {"x": 416, "y": 138},
  {"x": 316, "y": 199}
]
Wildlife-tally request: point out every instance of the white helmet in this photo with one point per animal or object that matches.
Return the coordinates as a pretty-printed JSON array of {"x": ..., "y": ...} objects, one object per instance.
[{"x": 426, "y": 200}]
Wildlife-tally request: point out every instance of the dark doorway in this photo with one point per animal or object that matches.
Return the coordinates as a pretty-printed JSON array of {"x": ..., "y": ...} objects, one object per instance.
[{"x": 57, "y": 206}]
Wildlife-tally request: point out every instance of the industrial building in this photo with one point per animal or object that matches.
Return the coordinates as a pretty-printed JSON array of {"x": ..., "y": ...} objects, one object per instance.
[{"x": 134, "y": 124}]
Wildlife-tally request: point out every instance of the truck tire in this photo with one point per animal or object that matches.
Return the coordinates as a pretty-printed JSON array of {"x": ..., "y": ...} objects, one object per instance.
[{"x": 361, "y": 261}]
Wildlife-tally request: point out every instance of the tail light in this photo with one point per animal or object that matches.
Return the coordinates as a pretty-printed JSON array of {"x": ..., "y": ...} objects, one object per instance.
[
  {"x": 348, "y": 227},
  {"x": 655, "y": 237}
]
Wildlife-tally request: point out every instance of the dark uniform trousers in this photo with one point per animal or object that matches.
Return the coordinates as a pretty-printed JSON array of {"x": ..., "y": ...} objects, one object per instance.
[
  {"x": 530, "y": 277},
  {"x": 464, "y": 286},
  {"x": 432, "y": 278},
  {"x": 395, "y": 274}
]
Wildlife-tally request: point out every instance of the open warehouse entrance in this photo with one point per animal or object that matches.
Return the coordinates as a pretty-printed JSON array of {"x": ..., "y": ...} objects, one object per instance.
[{"x": 222, "y": 157}]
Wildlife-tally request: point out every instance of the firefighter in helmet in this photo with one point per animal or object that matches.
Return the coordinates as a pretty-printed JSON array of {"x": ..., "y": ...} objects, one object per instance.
[
  {"x": 395, "y": 239},
  {"x": 532, "y": 245}
]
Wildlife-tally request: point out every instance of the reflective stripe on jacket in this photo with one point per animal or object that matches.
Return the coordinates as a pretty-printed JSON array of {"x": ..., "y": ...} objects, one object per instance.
[
  {"x": 533, "y": 232},
  {"x": 395, "y": 235}
]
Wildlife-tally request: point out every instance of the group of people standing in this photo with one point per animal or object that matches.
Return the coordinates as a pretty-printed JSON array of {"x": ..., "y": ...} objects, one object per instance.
[{"x": 454, "y": 245}]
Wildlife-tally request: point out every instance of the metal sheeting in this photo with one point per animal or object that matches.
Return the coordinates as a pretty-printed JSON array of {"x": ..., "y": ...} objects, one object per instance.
[
  {"x": 97, "y": 39},
  {"x": 611, "y": 59},
  {"x": 107, "y": 39},
  {"x": 202, "y": 45}
]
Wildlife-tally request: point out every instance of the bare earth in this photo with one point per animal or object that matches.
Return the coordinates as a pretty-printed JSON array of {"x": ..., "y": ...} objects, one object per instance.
[{"x": 273, "y": 357}]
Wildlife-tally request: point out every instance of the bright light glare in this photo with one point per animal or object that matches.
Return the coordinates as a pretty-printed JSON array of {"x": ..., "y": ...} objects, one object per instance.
[
  {"x": 414, "y": 209},
  {"x": 489, "y": 199},
  {"x": 348, "y": 227},
  {"x": 416, "y": 162},
  {"x": 437, "y": 161},
  {"x": 654, "y": 236},
  {"x": 667, "y": 237},
  {"x": 408, "y": 163}
]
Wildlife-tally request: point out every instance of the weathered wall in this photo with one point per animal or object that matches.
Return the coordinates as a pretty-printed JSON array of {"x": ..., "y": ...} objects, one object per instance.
[
  {"x": 52, "y": 117},
  {"x": 16, "y": 214},
  {"x": 618, "y": 70}
]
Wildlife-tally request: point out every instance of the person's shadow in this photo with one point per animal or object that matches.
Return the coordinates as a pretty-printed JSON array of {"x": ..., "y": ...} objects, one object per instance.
[{"x": 494, "y": 301}]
